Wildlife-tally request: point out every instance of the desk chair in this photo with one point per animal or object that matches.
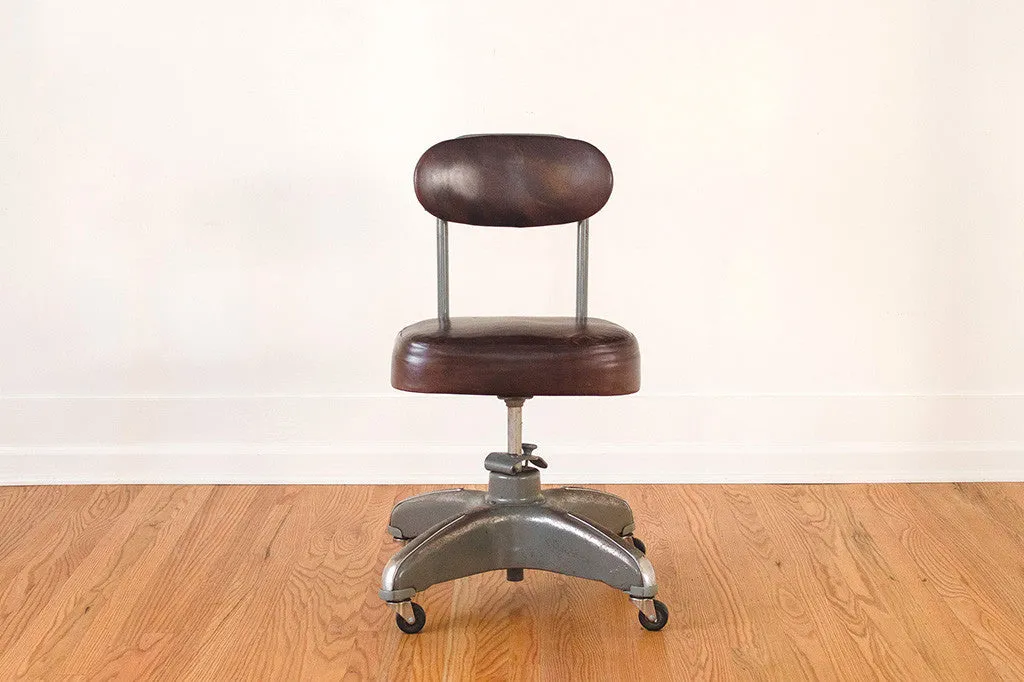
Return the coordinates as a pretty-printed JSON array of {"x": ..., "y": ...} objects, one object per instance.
[{"x": 515, "y": 181}]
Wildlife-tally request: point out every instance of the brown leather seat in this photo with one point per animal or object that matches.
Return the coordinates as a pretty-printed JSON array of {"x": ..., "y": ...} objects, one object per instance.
[{"x": 516, "y": 356}]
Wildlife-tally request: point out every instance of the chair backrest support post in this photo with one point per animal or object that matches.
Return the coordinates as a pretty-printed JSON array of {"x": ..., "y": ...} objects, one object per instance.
[
  {"x": 582, "y": 258},
  {"x": 582, "y": 267},
  {"x": 442, "y": 272}
]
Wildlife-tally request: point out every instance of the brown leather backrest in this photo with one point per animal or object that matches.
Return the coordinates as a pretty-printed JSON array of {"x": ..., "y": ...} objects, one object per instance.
[{"x": 513, "y": 180}]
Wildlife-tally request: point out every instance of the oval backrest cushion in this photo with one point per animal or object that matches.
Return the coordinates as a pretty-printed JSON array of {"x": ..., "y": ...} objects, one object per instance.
[{"x": 513, "y": 180}]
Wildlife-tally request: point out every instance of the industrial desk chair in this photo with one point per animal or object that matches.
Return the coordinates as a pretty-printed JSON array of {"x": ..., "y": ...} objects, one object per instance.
[{"x": 515, "y": 181}]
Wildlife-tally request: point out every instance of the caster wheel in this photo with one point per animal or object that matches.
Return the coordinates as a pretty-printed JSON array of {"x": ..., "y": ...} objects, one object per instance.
[
  {"x": 639, "y": 544},
  {"x": 654, "y": 625},
  {"x": 421, "y": 619}
]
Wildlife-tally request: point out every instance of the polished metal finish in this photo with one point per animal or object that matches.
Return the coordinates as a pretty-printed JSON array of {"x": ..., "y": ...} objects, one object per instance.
[
  {"x": 515, "y": 525},
  {"x": 404, "y": 609},
  {"x": 413, "y": 515},
  {"x": 606, "y": 510},
  {"x": 520, "y": 488},
  {"x": 582, "y": 266},
  {"x": 515, "y": 424},
  {"x": 502, "y": 536},
  {"x": 504, "y": 463},
  {"x": 442, "y": 271},
  {"x": 646, "y": 607},
  {"x": 535, "y": 460}
]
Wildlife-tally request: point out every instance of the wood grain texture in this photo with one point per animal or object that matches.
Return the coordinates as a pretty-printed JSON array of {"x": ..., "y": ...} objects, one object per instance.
[{"x": 900, "y": 582}]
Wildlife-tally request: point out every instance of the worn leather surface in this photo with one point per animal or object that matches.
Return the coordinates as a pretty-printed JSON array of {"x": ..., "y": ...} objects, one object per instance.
[
  {"x": 516, "y": 356},
  {"x": 513, "y": 180}
]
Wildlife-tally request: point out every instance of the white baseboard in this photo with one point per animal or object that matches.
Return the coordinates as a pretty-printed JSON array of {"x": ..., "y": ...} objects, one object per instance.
[
  {"x": 430, "y": 439},
  {"x": 667, "y": 463}
]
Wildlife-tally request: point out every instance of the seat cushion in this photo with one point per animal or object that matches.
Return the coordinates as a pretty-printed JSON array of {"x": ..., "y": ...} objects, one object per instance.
[{"x": 516, "y": 356}]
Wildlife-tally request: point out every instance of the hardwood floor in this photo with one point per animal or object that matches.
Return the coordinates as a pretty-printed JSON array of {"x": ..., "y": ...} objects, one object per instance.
[{"x": 765, "y": 582}]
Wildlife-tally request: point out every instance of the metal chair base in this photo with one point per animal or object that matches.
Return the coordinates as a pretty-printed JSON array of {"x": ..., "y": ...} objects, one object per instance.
[{"x": 514, "y": 525}]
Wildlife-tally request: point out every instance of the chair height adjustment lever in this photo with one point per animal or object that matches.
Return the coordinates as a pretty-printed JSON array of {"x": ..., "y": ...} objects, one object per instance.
[
  {"x": 533, "y": 459},
  {"x": 508, "y": 463}
]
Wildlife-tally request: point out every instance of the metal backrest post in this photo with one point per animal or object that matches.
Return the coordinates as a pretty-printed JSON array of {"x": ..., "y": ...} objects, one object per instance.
[
  {"x": 582, "y": 258},
  {"x": 442, "y": 271},
  {"x": 582, "y": 268}
]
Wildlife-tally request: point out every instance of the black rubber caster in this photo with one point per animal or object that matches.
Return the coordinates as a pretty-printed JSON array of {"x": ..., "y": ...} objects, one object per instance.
[
  {"x": 639, "y": 544},
  {"x": 654, "y": 625},
  {"x": 421, "y": 619}
]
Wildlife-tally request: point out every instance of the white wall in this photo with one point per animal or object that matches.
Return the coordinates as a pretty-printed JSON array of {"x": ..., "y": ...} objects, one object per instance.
[{"x": 209, "y": 235}]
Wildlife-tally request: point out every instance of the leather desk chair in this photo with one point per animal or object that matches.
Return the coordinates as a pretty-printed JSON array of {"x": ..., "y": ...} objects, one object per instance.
[{"x": 515, "y": 181}]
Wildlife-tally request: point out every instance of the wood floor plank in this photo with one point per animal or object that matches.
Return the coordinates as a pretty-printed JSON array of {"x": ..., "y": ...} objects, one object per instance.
[
  {"x": 724, "y": 639},
  {"x": 961, "y": 577},
  {"x": 1000, "y": 502},
  {"x": 35, "y": 524},
  {"x": 55, "y": 630},
  {"x": 935, "y": 632},
  {"x": 26, "y": 507},
  {"x": 317, "y": 613},
  {"x": 1011, "y": 491},
  {"x": 157, "y": 632},
  {"x": 971, "y": 506},
  {"x": 786, "y": 644},
  {"x": 835, "y": 595},
  {"x": 280, "y": 582},
  {"x": 235, "y": 640},
  {"x": 48, "y": 553}
]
